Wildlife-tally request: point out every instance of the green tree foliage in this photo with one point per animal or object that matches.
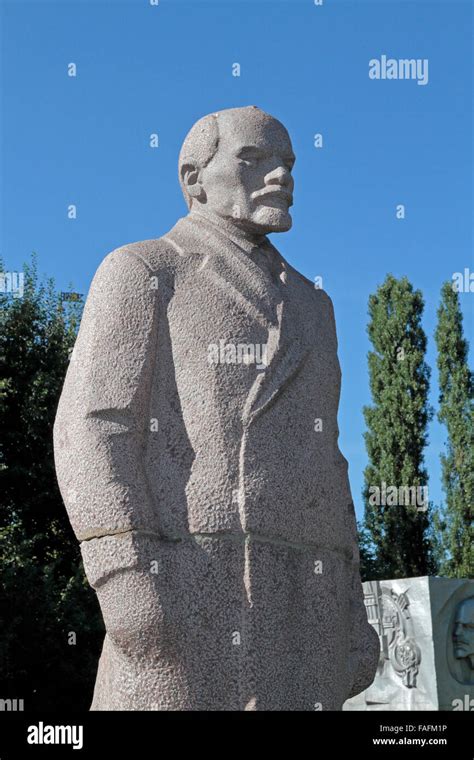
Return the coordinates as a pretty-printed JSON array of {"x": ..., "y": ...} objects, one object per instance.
[
  {"x": 44, "y": 598},
  {"x": 456, "y": 411},
  {"x": 368, "y": 563},
  {"x": 397, "y": 434}
]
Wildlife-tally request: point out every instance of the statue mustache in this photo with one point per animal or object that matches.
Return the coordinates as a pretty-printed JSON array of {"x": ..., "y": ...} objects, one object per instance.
[{"x": 274, "y": 190}]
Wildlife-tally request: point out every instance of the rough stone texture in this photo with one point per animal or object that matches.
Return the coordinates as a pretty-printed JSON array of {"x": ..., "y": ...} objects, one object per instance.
[
  {"x": 217, "y": 524},
  {"x": 426, "y": 632}
]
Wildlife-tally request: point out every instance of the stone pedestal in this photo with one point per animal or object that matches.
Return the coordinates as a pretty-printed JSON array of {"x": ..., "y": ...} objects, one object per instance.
[{"x": 426, "y": 631}]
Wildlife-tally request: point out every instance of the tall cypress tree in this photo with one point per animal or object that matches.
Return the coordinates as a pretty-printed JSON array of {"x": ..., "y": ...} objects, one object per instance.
[
  {"x": 456, "y": 411},
  {"x": 396, "y": 503}
]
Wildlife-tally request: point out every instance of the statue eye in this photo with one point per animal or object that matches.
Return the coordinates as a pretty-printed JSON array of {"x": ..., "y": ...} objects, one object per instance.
[{"x": 248, "y": 157}]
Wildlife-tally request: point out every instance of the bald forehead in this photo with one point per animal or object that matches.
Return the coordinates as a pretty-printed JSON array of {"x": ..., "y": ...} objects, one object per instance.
[{"x": 252, "y": 128}]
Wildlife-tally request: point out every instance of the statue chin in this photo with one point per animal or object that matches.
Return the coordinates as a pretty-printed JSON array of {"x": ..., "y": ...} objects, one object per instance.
[{"x": 272, "y": 219}]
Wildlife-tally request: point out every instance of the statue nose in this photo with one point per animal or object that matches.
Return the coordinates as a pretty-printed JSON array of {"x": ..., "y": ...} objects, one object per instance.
[{"x": 279, "y": 176}]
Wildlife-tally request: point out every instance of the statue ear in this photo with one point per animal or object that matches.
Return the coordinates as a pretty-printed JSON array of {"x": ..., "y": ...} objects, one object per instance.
[{"x": 190, "y": 177}]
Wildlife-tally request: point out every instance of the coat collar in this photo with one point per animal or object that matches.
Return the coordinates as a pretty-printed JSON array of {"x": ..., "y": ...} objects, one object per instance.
[
  {"x": 232, "y": 233},
  {"x": 229, "y": 266}
]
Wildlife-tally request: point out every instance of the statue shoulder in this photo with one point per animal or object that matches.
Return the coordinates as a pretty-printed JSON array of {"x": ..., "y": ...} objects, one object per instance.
[
  {"x": 325, "y": 302},
  {"x": 133, "y": 271},
  {"x": 313, "y": 291},
  {"x": 135, "y": 266},
  {"x": 155, "y": 254}
]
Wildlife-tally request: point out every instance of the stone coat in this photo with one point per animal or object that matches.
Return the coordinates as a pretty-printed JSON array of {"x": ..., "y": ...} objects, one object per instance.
[{"x": 215, "y": 514}]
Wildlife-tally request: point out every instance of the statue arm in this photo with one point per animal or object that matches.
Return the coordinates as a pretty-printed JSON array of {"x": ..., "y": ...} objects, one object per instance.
[
  {"x": 103, "y": 417},
  {"x": 365, "y": 645}
]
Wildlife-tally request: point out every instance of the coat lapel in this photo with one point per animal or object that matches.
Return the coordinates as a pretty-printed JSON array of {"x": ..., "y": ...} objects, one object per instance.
[
  {"x": 276, "y": 305},
  {"x": 289, "y": 347},
  {"x": 228, "y": 268}
]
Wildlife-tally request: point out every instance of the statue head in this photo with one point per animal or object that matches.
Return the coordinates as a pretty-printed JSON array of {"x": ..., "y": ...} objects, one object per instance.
[
  {"x": 463, "y": 632},
  {"x": 236, "y": 165}
]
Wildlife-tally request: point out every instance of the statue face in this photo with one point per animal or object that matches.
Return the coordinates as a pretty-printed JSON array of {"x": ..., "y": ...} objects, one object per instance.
[
  {"x": 463, "y": 633},
  {"x": 248, "y": 181}
]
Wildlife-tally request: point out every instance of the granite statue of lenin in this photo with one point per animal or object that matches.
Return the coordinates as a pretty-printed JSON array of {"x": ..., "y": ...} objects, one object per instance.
[{"x": 196, "y": 448}]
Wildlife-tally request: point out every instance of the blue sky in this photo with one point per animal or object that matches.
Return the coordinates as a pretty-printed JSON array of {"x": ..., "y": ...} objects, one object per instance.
[{"x": 145, "y": 69}]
